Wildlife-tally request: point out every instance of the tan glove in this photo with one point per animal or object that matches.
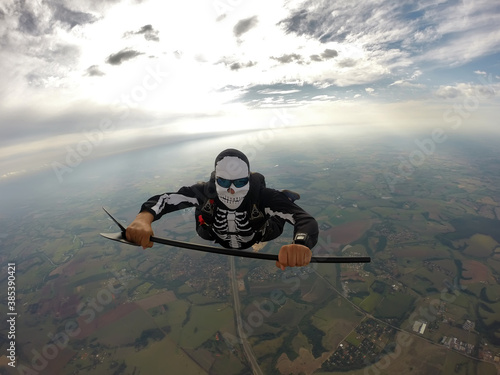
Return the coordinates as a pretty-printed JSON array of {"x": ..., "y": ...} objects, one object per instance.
[
  {"x": 293, "y": 255},
  {"x": 140, "y": 230}
]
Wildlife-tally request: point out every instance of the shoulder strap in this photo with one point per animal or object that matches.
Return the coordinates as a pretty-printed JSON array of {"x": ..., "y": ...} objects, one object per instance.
[
  {"x": 210, "y": 190},
  {"x": 257, "y": 183}
]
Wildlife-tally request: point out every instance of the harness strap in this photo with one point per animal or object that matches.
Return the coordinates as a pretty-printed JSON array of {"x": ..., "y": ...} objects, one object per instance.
[{"x": 256, "y": 214}]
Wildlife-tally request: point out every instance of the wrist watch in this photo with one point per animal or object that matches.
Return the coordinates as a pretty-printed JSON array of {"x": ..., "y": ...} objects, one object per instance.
[{"x": 300, "y": 238}]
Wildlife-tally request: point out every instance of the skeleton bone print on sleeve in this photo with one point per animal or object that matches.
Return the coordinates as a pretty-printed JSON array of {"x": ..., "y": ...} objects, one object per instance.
[{"x": 233, "y": 227}]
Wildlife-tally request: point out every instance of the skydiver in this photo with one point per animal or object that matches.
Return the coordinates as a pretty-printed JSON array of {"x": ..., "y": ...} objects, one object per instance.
[{"x": 236, "y": 210}]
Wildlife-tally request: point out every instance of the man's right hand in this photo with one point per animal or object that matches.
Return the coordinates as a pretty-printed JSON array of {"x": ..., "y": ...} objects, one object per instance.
[{"x": 140, "y": 230}]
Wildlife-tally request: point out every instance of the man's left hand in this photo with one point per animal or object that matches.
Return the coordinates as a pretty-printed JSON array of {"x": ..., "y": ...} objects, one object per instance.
[{"x": 293, "y": 255}]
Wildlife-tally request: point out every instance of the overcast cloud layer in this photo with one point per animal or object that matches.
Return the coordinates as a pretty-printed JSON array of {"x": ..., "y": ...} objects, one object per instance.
[{"x": 143, "y": 70}]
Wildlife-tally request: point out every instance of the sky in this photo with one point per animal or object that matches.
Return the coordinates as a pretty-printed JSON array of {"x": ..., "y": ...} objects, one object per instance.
[{"x": 84, "y": 78}]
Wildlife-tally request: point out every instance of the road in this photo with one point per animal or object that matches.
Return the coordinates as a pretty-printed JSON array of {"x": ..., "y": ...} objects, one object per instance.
[{"x": 239, "y": 323}]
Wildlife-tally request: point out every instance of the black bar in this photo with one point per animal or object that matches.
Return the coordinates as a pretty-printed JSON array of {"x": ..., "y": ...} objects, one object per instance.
[
  {"x": 250, "y": 254},
  {"x": 219, "y": 250}
]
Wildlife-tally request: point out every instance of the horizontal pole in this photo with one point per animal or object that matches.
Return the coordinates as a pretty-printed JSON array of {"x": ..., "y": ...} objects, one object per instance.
[{"x": 119, "y": 236}]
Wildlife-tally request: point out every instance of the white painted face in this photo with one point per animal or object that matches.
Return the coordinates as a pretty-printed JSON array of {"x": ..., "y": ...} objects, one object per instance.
[{"x": 231, "y": 168}]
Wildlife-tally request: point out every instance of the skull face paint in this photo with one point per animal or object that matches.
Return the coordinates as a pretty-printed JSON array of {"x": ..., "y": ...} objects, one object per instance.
[{"x": 231, "y": 168}]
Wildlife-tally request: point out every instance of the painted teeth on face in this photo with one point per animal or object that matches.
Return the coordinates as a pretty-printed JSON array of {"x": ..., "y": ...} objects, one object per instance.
[{"x": 231, "y": 200}]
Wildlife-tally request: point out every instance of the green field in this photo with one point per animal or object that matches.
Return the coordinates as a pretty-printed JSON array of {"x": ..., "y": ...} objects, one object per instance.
[
  {"x": 173, "y": 359},
  {"x": 196, "y": 330},
  {"x": 394, "y": 306},
  {"x": 433, "y": 240},
  {"x": 457, "y": 364},
  {"x": 371, "y": 302}
]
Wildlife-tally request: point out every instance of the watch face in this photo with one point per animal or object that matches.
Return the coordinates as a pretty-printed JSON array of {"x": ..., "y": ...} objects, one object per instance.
[{"x": 300, "y": 237}]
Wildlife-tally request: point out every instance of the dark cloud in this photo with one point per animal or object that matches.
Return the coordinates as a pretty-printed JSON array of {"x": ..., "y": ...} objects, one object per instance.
[
  {"x": 237, "y": 65},
  {"x": 289, "y": 58},
  {"x": 244, "y": 25},
  {"x": 297, "y": 22},
  {"x": 329, "y": 53},
  {"x": 28, "y": 23},
  {"x": 121, "y": 56},
  {"x": 94, "y": 71},
  {"x": 316, "y": 19},
  {"x": 336, "y": 21},
  {"x": 148, "y": 31},
  {"x": 38, "y": 19},
  {"x": 70, "y": 17}
]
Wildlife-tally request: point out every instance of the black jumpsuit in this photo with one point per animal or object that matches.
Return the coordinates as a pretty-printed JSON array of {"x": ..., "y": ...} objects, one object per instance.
[{"x": 237, "y": 229}]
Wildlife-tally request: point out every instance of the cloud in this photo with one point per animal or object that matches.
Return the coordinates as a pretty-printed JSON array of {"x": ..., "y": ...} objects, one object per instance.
[
  {"x": 463, "y": 48},
  {"x": 326, "y": 49},
  {"x": 37, "y": 64},
  {"x": 121, "y": 56},
  {"x": 221, "y": 17},
  {"x": 325, "y": 55},
  {"x": 324, "y": 97},
  {"x": 42, "y": 18},
  {"x": 231, "y": 63},
  {"x": 94, "y": 71},
  {"x": 29, "y": 23},
  {"x": 347, "y": 63},
  {"x": 333, "y": 21},
  {"x": 447, "y": 92},
  {"x": 289, "y": 58},
  {"x": 148, "y": 31},
  {"x": 439, "y": 32},
  {"x": 329, "y": 54},
  {"x": 408, "y": 84},
  {"x": 237, "y": 65},
  {"x": 62, "y": 53},
  {"x": 70, "y": 17},
  {"x": 244, "y": 26},
  {"x": 467, "y": 30},
  {"x": 271, "y": 91},
  {"x": 466, "y": 90},
  {"x": 296, "y": 23}
]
